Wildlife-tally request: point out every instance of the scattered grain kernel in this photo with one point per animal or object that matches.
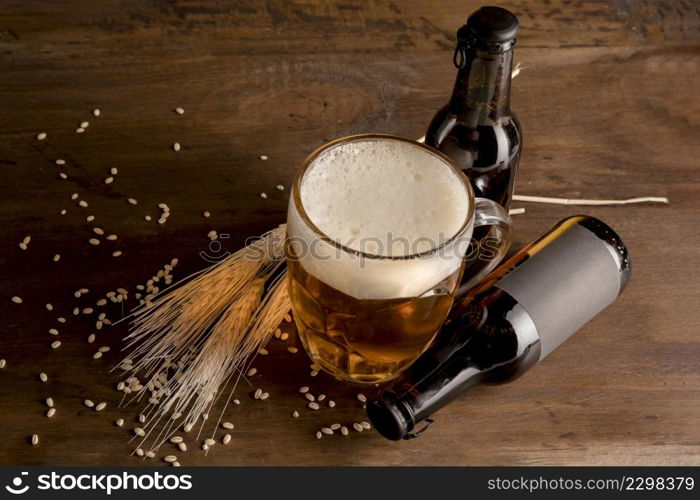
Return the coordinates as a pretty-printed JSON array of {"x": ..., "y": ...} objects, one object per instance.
[
  {"x": 319, "y": 434},
  {"x": 59, "y": 161},
  {"x": 304, "y": 389},
  {"x": 43, "y": 377},
  {"x": 310, "y": 396},
  {"x": 51, "y": 412},
  {"x": 117, "y": 253},
  {"x": 91, "y": 338},
  {"x": 94, "y": 241},
  {"x": 61, "y": 319},
  {"x": 263, "y": 195},
  {"x": 295, "y": 414},
  {"x": 176, "y": 146},
  {"x": 57, "y": 257},
  {"x": 344, "y": 431},
  {"x": 361, "y": 398},
  {"x": 321, "y": 397},
  {"x": 313, "y": 406},
  {"x": 227, "y": 425},
  {"x": 292, "y": 350},
  {"x": 139, "y": 431},
  {"x": 263, "y": 352},
  {"x": 132, "y": 201},
  {"x": 209, "y": 442},
  {"x": 41, "y": 136},
  {"x": 139, "y": 452},
  {"x": 357, "y": 427},
  {"x": 366, "y": 425},
  {"x": 119, "y": 422},
  {"x": 331, "y": 403},
  {"x": 55, "y": 344},
  {"x": 226, "y": 439},
  {"x": 182, "y": 447},
  {"x": 284, "y": 336},
  {"x": 280, "y": 187},
  {"x": 89, "y": 403},
  {"x": 35, "y": 437},
  {"x": 206, "y": 214},
  {"x": 49, "y": 402},
  {"x": 179, "y": 110},
  {"x": 17, "y": 300},
  {"x": 3, "y": 363},
  {"x": 100, "y": 406},
  {"x": 96, "y": 112},
  {"x": 53, "y": 331},
  {"x": 263, "y": 157},
  {"x": 252, "y": 372},
  {"x": 264, "y": 396},
  {"x": 62, "y": 176}
]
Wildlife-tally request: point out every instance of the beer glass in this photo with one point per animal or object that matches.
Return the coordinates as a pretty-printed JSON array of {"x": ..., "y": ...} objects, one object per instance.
[{"x": 378, "y": 228}]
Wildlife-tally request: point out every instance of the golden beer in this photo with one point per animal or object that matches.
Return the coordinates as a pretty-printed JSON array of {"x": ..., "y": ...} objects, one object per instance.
[{"x": 377, "y": 230}]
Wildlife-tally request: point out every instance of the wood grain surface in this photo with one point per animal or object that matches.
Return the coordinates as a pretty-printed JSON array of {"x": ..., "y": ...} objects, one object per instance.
[{"x": 608, "y": 100}]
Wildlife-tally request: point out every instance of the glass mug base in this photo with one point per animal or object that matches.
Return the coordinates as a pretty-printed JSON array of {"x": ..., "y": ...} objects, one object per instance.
[{"x": 365, "y": 341}]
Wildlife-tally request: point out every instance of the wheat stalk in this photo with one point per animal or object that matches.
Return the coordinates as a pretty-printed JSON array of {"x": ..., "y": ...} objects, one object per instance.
[{"x": 191, "y": 340}]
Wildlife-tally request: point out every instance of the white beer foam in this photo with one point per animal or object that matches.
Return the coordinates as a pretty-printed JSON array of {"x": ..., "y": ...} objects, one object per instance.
[{"x": 383, "y": 197}]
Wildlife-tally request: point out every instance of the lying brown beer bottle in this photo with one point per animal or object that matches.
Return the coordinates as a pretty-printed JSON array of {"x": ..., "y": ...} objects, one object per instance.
[
  {"x": 519, "y": 314},
  {"x": 477, "y": 128}
]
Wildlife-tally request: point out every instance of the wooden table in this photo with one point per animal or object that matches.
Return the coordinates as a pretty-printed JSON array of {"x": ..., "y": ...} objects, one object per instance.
[{"x": 608, "y": 99}]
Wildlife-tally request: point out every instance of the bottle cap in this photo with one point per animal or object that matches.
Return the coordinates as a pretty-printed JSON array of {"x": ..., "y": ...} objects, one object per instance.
[{"x": 494, "y": 26}]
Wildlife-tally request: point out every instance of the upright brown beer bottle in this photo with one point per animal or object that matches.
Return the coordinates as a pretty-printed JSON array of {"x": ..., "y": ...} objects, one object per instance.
[{"x": 477, "y": 128}]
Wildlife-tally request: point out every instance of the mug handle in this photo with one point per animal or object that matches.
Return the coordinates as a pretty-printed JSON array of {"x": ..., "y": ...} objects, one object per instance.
[{"x": 489, "y": 213}]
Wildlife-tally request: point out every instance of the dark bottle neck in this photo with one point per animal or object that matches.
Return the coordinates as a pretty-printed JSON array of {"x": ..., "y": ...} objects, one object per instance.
[{"x": 482, "y": 91}]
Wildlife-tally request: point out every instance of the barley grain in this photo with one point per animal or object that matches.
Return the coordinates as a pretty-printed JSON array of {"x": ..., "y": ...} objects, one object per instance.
[
  {"x": 188, "y": 427},
  {"x": 295, "y": 414},
  {"x": 236, "y": 401},
  {"x": 79, "y": 130},
  {"x": 61, "y": 319},
  {"x": 97, "y": 355},
  {"x": 83, "y": 203},
  {"x": 252, "y": 372},
  {"x": 304, "y": 389},
  {"x": 287, "y": 318},
  {"x": 257, "y": 393},
  {"x": 89, "y": 403},
  {"x": 179, "y": 110},
  {"x": 55, "y": 344},
  {"x": 50, "y": 412},
  {"x": 88, "y": 310},
  {"x": 344, "y": 431},
  {"x": 63, "y": 211},
  {"x": 59, "y": 161},
  {"x": 284, "y": 336},
  {"x": 119, "y": 422},
  {"x": 313, "y": 373},
  {"x": 49, "y": 307},
  {"x": 41, "y": 136},
  {"x": 182, "y": 447},
  {"x": 263, "y": 195},
  {"x": 111, "y": 237},
  {"x": 17, "y": 299},
  {"x": 94, "y": 241},
  {"x": 63, "y": 176},
  {"x": 139, "y": 452},
  {"x": 91, "y": 338},
  {"x": 331, "y": 403},
  {"x": 43, "y": 377},
  {"x": 147, "y": 218},
  {"x": 109, "y": 180},
  {"x": 264, "y": 396},
  {"x": 96, "y": 112},
  {"x": 100, "y": 406},
  {"x": 49, "y": 402},
  {"x": 263, "y": 352},
  {"x": 57, "y": 257},
  {"x": 205, "y": 447},
  {"x": 139, "y": 431},
  {"x": 76, "y": 311},
  {"x": 176, "y": 146},
  {"x": 227, "y": 425},
  {"x": 142, "y": 418},
  {"x": 313, "y": 406},
  {"x": 35, "y": 439},
  {"x": 226, "y": 439},
  {"x": 176, "y": 439},
  {"x": 263, "y": 157},
  {"x": 319, "y": 434},
  {"x": 327, "y": 431},
  {"x": 292, "y": 350},
  {"x": 132, "y": 201},
  {"x": 357, "y": 427},
  {"x": 366, "y": 425},
  {"x": 361, "y": 398},
  {"x": 150, "y": 454},
  {"x": 3, "y": 363},
  {"x": 209, "y": 442},
  {"x": 117, "y": 253},
  {"x": 206, "y": 214},
  {"x": 280, "y": 187},
  {"x": 22, "y": 246},
  {"x": 309, "y": 396},
  {"x": 113, "y": 171}
]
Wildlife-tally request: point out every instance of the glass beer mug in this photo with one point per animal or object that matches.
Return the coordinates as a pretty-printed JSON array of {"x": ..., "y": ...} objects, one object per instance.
[{"x": 377, "y": 232}]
